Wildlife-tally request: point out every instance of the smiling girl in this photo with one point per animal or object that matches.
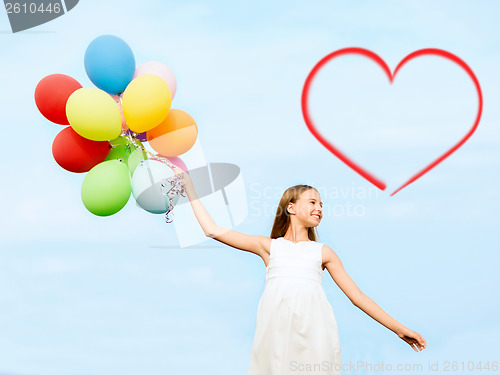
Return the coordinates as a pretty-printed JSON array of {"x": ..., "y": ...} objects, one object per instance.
[{"x": 296, "y": 327}]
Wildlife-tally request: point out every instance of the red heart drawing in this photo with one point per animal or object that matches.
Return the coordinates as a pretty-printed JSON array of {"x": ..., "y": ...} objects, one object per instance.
[{"x": 373, "y": 56}]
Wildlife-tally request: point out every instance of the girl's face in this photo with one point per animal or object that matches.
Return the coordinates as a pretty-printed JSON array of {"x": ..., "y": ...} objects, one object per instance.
[{"x": 308, "y": 208}]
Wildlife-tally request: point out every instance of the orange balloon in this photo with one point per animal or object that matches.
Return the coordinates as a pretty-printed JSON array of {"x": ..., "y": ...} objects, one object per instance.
[{"x": 175, "y": 135}]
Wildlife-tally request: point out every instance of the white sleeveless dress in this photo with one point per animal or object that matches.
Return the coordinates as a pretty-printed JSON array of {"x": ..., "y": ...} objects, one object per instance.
[{"x": 296, "y": 330}]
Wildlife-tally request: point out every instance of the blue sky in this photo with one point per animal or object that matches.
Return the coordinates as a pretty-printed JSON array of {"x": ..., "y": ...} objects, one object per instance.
[{"x": 81, "y": 294}]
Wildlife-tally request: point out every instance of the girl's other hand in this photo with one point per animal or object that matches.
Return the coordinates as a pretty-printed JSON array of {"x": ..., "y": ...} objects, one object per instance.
[{"x": 414, "y": 339}]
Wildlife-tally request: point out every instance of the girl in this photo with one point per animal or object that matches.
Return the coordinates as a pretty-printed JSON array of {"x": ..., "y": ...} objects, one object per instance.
[{"x": 296, "y": 329}]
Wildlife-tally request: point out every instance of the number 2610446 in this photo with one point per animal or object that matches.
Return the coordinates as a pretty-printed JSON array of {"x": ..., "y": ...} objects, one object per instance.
[{"x": 33, "y": 8}]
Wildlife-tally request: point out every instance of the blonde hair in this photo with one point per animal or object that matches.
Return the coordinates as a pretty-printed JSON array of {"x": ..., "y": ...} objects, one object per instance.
[{"x": 282, "y": 220}]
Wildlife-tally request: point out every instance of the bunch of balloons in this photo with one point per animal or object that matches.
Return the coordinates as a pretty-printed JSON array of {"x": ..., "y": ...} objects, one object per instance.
[{"x": 109, "y": 123}]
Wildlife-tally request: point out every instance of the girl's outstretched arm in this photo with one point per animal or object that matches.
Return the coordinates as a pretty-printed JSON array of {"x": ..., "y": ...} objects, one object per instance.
[
  {"x": 365, "y": 303},
  {"x": 259, "y": 245}
]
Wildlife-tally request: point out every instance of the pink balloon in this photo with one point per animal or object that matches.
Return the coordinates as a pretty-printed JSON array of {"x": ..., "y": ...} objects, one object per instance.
[
  {"x": 116, "y": 98},
  {"x": 155, "y": 67},
  {"x": 175, "y": 160},
  {"x": 118, "y": 101},
  {"x": 124, "y": 123}
]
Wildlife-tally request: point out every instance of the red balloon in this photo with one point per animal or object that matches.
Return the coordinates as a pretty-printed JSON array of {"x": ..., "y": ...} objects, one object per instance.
[
  {"x": 76, "y": 153},
  {"x": 51, "y": 95}
]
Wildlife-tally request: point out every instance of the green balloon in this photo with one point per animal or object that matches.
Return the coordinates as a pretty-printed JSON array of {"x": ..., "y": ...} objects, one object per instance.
[
  {"x": 118, "y": 148},
  {"x": 125, "y": 150},
  {"x": 106, "y": 188},
  {"x": 135, "y": 158}
]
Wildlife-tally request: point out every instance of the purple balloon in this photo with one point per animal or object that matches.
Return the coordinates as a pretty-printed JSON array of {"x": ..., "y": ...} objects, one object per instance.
[{"x": 141, "y": 137}]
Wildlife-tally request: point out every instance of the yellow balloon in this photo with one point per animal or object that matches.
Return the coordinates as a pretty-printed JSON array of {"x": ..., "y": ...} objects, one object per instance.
[
  {"x": 93, "y": 114},
  {"x": 146, "y": 102}
]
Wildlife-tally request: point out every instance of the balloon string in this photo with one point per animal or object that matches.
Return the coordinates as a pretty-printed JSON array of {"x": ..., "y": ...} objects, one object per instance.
[
  {"x": 176, "y": 188},
  {"x": 176, "y": 185},
  {"x": 126, "y": 152},
  {"x": 133, "y": 140}
]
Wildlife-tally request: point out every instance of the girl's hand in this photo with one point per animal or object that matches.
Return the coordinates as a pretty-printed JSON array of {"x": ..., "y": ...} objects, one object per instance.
[
  {"x": 414, "y": 339},
  {"x": 186, "y": 178}
]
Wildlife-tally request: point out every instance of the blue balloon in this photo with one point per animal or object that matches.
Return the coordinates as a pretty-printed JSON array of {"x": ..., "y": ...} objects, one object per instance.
[{"x": 110, "y": 63}]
